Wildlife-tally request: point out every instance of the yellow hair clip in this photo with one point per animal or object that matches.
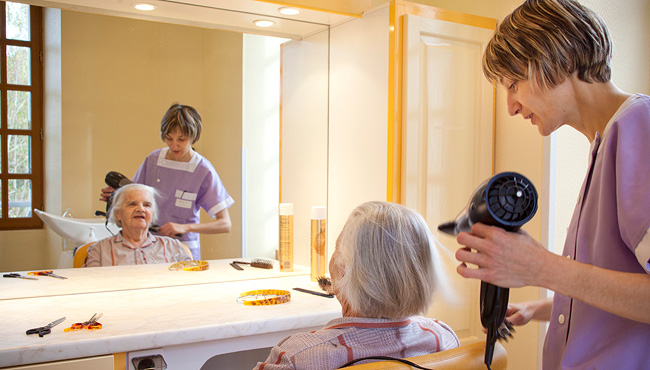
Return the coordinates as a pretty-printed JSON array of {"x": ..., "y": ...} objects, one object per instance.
[
  {"x": 190, "y": 266},
  {"x": 264, "y": 297}
]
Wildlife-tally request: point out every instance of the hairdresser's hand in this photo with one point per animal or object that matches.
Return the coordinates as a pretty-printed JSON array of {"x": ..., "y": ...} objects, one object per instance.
[
  {"x": 505, "y": 259},
  {"x": 106, "y": 193},
  {"x": 172, "y": 229},
  {"x": 518, "y": 314},
  {"x": 522, "y": 313}
]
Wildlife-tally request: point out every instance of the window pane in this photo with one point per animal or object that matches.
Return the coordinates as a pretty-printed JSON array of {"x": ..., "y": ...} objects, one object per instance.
[
  {"x": 17, "y": 21},
  {"x": 19, "y": 106},
  {"x": 20, "y": 153},
  {"x": 20, "y": 198},
  {"x": 18, "y": 65}
]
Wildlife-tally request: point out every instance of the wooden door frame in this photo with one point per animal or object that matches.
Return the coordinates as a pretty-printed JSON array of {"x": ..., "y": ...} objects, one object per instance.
[{"x": 398, "y": 8}]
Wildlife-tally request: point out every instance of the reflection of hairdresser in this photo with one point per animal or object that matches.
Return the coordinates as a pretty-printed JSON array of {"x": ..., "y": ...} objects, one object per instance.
[
  {"x": 384, "y": 272},
  {"x": 134, "y": 209},
  {"x": 186, "y": 181}
]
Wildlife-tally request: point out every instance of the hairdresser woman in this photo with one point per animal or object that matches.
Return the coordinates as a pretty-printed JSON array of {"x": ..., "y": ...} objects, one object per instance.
[
  {"x": 186, "y": 181},
  {"x": 384, "y": 272},
  {"x": 553, "y": 59}
]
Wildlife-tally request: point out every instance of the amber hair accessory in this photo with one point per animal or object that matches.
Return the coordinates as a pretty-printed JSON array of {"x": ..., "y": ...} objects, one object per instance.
[
  {"x": 190, "y": 266},
  {"x": 264, "y": 297},
  {"x": 91, "y": 324}
]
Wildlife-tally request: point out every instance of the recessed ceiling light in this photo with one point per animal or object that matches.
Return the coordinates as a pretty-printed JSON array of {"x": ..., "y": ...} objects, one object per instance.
[
  {"x": 144, "y": 6},
  {"x": 263, "y": 23},
  {"x": 289, "y": 11}
]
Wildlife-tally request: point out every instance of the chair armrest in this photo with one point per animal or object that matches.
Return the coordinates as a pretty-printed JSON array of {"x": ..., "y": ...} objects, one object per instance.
[{"x": 467, "y": 357}]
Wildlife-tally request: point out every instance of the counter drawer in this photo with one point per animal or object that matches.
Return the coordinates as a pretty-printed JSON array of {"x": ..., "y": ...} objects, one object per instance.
[{"x": 95, "y": 363}]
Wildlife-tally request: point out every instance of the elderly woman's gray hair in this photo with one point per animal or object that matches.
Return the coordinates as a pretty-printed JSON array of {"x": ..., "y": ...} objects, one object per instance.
[
  {"x": 118, "y": 201},
  {"x": 387, "y": 254}
]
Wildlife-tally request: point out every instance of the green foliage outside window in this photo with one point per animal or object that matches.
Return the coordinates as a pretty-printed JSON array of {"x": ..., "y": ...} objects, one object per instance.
[{"x": 18, "y": 136}]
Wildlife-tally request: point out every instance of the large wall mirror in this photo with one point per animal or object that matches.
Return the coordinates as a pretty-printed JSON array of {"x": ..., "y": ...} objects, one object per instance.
[{"x": 110, "y": 75}]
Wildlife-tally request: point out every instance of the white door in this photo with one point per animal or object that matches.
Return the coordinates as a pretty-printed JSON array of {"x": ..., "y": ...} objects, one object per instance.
[{"x": 448, "y": 134}]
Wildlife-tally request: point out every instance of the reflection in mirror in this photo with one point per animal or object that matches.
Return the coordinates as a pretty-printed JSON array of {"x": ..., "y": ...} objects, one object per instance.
[
  {"x": 108, "y": 81},
  {"x": 135, "y": 209}
]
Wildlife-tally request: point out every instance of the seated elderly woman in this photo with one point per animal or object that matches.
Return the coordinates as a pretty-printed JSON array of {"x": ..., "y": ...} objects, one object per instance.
[
  {"x": 134, "y": 210},
  {"x": 384, "y": 272}
]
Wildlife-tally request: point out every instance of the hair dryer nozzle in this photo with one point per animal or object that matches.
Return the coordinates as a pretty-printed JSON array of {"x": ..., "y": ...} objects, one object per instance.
[
  {"x": 455, "y": 227},
  {"x": 448, "y": 228},
  {"x": 116, "y": 180}
]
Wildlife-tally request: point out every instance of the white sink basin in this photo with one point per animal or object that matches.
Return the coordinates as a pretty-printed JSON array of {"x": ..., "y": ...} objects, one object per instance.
[{"x": 80, "y": 230}]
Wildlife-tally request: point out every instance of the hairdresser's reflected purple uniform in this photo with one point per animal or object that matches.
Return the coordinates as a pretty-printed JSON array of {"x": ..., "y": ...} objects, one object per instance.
[
  {"x": 611, "y": 218},
  {"x": 184, "y": 188}
]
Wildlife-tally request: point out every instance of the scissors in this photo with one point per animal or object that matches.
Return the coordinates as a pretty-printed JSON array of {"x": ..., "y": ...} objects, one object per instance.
[
  {"x": 91, "y": 324},
  {"x": 47, "y": 329},
  {"x": 18, "y": 276},
  {"x": 46, "y": 273}
]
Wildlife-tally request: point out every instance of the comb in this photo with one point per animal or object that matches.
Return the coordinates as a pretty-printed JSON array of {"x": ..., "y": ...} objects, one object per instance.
[{"x": 257, "y": 262}]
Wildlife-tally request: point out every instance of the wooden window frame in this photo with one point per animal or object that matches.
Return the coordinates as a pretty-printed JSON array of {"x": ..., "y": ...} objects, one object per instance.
[{"x": 36, "y": 131}]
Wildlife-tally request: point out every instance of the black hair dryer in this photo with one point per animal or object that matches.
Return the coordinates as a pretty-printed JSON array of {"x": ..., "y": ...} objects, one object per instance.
[
  {"x": 507, "y": 200},
  {"x": 115, "y": 180}
]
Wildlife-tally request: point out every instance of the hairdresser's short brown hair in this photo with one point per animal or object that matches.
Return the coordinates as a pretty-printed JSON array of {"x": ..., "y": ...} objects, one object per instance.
[
  {"x": 545, "y": 41},
  {"x": 184, "y": 118}
]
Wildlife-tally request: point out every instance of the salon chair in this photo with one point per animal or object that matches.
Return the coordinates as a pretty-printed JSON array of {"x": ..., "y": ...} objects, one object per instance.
[
  {"x": 80, "y": 255},
  {"x": 466, "y": 357}
]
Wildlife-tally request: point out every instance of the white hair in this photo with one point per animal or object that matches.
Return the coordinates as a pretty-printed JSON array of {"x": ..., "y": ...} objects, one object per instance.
[
  {"x": 389, "y": 261},
  {"x": 118, "y": 201}
]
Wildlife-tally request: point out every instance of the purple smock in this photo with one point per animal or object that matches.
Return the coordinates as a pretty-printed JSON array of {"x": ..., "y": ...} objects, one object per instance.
[
  {"x": 611, "y": 218},
  {"x": 183, "y": 189}
]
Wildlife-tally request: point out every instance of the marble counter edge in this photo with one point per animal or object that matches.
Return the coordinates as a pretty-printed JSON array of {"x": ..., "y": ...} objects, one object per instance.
[
  {"x": 133, "y": 326},
  {"x": 134, "y": 342}
]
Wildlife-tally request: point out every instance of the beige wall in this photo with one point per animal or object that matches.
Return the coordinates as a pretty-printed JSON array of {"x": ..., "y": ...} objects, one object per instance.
[
  {"x": 262, "y": 145},
  {"x": 118, "y": 77},
  {"x": 358, "y": 117},
  {"x": 304, "y": 135}
]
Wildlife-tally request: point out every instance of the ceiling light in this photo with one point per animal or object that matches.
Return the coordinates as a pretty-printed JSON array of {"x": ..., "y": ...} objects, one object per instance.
[
  {"x": 144, "y": 6},
  {"x": 289, "y": 11},
  {"x": 263, "y": 23}
]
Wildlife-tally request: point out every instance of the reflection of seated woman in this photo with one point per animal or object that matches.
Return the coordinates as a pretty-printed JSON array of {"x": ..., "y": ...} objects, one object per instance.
[
  {"x": 134, "y": 209},
  {"x": 383, "y": 274}
]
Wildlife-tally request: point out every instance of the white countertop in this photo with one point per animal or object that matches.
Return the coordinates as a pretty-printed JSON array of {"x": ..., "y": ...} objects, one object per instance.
[
  {"x": 118, "y": 278},
  {"x": 184, "y": 307}
]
